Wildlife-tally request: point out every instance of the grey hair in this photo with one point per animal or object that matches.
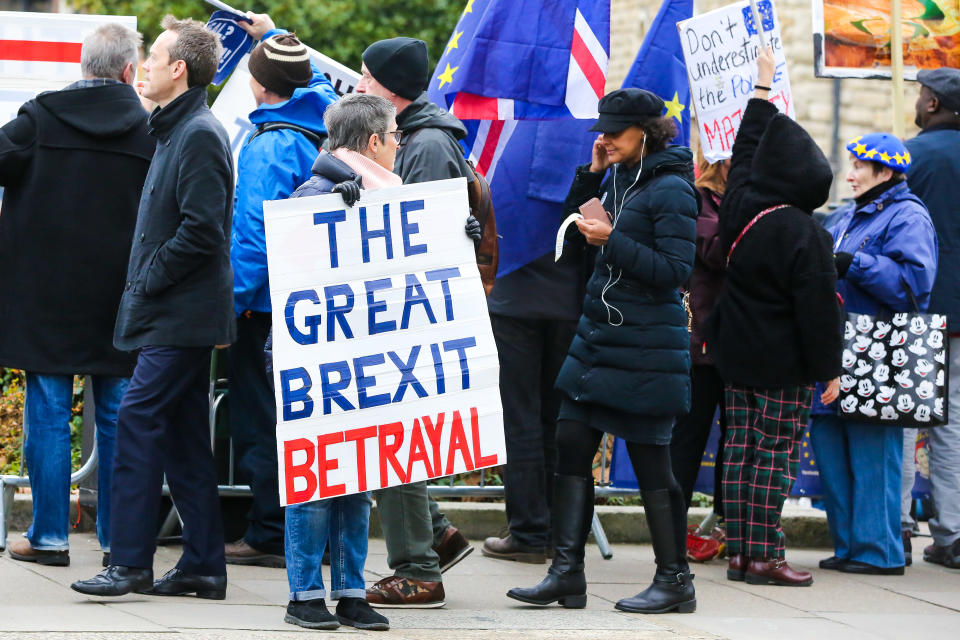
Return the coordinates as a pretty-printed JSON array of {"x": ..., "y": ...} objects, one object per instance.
[
  {"x": 351, "y": 120},
  {"x": 108, "y": 50}
]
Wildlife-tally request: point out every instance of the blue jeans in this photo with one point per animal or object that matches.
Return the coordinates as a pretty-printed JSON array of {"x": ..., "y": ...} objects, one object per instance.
[
  {"x": 860, "y": 467},
  {"x": 344, "y": 523},
  {"x": 47, "y": 421}
]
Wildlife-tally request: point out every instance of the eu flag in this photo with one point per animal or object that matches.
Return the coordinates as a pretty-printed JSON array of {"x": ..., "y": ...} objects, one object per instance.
[{"x": 659, "y": 65}]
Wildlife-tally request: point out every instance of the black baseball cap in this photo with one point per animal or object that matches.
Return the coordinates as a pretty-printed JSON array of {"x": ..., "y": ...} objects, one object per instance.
[
  {"x": 945, "y": 83},
  {"x": 626, "y": 107}
]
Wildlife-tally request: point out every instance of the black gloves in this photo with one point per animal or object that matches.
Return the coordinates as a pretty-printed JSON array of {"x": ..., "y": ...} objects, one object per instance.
[
  {"x": 473, "y": 229},
  {"x": 350, "y": 191},
  {"x": 842, "y": 261}
]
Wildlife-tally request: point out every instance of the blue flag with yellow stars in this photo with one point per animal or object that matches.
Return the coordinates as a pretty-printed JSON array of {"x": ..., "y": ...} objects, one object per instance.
[
  {"x": 525, "y": 60},
  {"x": 659, "y": 65}
]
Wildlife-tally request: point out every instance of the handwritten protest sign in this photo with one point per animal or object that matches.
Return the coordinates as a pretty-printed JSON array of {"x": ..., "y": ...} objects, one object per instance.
[
  {"x": 235, "y": 102},
  {"x": 385, "y": 367},
  {"x": 720, "y": 49}
]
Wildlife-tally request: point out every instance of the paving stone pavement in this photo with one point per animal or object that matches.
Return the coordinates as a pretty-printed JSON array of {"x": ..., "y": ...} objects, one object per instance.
[{"x": 36, "y": 602}]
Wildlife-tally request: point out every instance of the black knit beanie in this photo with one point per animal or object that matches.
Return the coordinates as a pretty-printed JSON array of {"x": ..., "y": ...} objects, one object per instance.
[
  {"x": 281, "y": 64},
  {"x": 399, "y": 64}
]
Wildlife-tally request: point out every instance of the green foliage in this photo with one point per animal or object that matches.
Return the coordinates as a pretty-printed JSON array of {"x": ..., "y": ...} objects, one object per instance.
[{"x": 341, "y": 29}]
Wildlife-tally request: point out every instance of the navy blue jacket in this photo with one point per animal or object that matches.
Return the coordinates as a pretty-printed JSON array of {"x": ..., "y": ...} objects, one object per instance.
[
  {"x": 933, "y": 176},
  {"x": 631, "y": 351},
  {"x": 179, "y": 290}
]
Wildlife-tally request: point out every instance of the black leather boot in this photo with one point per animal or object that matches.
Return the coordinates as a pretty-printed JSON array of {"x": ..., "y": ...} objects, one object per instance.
[
  {"x": 672, "y": 587},
  {"x": 572, "y": 515}
]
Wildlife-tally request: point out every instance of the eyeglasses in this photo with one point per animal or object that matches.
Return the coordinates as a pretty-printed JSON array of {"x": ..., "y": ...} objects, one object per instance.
[{"x": 397, "y": 135}]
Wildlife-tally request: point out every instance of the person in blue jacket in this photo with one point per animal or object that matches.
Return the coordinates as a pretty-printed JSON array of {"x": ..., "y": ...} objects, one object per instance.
[
  {"x": 291, "y": 96},
  {"x": 884, "y": 243}
]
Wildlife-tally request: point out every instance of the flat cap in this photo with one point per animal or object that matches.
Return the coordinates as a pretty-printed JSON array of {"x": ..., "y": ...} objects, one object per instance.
[
  {"x": 626, "y": 107},
  {"x": 945, "y": 83}
]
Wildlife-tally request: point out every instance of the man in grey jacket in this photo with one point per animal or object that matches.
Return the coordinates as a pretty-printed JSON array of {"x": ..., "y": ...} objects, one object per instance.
[
  {"x": 421, "y": 542},
  {"x": 177, "y": 304}
]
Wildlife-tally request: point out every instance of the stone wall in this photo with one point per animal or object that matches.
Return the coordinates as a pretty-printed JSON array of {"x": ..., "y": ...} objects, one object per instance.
[{"x": 865, "y": 105}]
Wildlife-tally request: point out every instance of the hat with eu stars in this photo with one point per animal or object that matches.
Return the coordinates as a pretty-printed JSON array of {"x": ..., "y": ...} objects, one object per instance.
[
  {"x": 883, "y": 148},
  {"x": 626, "y": 107}
]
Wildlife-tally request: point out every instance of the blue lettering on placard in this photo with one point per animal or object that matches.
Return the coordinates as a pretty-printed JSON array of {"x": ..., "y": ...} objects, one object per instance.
[
  {"x": 376, "y": 306},
  {"x": 414, "y": 294},
  {"x": 366, "y": 235},
  {"x": 311, "y": 322},
  {"x": 461, "y": 346},
  {"x": 331, "y": 218},
  {"x": 337, "y": 315},
  {"x": 301, "y": 394},
  {"x": 408, "y": 228},
  {"x": 444, "y": 275},
  {"x": 331, "y": 389},
  {"x": 407, "y": 379},
  {"x": 365, "y": 381}
]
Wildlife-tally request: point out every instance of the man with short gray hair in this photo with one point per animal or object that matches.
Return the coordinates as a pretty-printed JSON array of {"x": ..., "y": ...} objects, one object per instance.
[{"x": 73, "y": 163}]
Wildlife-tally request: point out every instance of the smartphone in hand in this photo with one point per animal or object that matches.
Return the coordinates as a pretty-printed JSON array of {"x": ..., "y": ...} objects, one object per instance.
[{"x": 593, "y": 210}]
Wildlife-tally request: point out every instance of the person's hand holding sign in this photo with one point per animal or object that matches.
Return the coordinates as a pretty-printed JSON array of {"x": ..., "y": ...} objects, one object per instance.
[
  {"x": 766, "y": 66},
  {"x": 261, "y": 24}
]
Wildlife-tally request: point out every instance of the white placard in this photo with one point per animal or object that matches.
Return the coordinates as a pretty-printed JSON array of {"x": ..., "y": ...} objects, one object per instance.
[
  {"x": 235, "y": 103},
  {"x": 385, "y": 367},
  {"x": 720, "y": 50},
  {"x": 45, "y": 47}
]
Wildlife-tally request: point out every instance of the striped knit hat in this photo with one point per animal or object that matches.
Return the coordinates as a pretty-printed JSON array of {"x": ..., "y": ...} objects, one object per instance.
[{"x": 281, "y": 64}]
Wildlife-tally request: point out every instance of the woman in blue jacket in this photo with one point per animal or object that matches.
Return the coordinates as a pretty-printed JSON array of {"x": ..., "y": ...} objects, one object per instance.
[
  {"x": 627, "y": 370},
  {"x": 884, "y": 244}
]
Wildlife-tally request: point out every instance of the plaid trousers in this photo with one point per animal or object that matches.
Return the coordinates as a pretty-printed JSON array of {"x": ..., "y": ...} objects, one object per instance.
[{"x": 760, "y": 459}]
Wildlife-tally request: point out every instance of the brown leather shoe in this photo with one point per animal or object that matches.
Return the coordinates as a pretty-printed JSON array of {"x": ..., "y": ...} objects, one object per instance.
[
  {"x": 737, "y": 567},
  {"x": 776, "y": 572},
  {"x": 394, "y": 592},
  {"x": 508, "y": 548},
  {"x": 452, "y": 549},
  {"x": 21, "y": 550},
  {"x": 240, "y": 552}
]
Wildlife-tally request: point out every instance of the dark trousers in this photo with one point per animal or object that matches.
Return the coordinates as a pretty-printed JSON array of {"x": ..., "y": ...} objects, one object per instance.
[
  {"x": 531, "y": 352},
  {"x": 253, "y": 426},
  {"x": 163, "y": 427},
  {"x": 690, "y": 434}
]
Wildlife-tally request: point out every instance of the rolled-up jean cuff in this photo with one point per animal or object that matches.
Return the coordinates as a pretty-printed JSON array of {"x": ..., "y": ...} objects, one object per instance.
[
  {"x": 303, "y": 596},
  {"x": 49, "y": 547},
  {"x": 348, "y": 593}
]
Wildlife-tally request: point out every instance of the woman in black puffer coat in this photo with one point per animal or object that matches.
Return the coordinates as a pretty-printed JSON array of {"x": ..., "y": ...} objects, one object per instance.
[{"x": 627, "y": 371}]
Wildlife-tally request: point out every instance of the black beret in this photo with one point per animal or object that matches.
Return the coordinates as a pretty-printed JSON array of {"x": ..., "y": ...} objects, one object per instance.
[
  {"x": 945, "y": 83},
  {"x": 626, "y": 107}
]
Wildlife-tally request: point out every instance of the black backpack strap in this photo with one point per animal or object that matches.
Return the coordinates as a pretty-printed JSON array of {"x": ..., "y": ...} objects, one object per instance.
[{"x": 315, "y": 137}]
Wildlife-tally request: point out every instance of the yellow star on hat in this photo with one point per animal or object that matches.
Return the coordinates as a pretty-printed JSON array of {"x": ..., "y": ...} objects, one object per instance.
[
  {"x": 859, "y": 148},
  {"x": 885, "y": 156}
]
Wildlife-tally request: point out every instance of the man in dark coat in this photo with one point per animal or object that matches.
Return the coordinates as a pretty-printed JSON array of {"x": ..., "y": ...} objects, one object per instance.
[
  {"x": 177, "y": 304},
  {"x": 933, "y": 176},
  {"x": 421, "y": 542},
  {"x": 73, "y": 164}
]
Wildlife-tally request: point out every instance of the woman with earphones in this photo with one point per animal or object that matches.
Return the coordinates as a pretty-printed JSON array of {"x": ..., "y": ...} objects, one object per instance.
[{"x": 627, "y": 370}]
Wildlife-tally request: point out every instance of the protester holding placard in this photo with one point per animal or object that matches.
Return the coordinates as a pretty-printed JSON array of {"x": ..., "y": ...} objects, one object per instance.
[
  {"x": 275, "y": 159},
  {"x": 886, "y": 258},
  {"x": 177, "y": 304},
  {"x": 627, "y": 371},
  {"x": 776, "y": 328},
  {"x": 421, "y": 542},
  {"x": 73, "y": 164}
]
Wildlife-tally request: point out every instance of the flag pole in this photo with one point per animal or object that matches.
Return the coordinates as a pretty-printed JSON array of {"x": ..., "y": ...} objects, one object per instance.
[
  {"x": 756, "y": 21},
  {"x": 896, "y": 67}
]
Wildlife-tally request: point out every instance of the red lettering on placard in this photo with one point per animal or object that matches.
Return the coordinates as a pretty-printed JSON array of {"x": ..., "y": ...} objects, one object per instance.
[
  {"x": 712, "y": 135},
  {"x": 418, "y": 451},
  {"x": 434, "y": 434},
  {"x": 458, "y": 443},
  {"x": 360, "y": 436},
  {"x": 479, "y": 460},
  {"x": 325, "y": 464},
  {"x": 293, "y": 471},
  {"x": 388, "y": 453}
]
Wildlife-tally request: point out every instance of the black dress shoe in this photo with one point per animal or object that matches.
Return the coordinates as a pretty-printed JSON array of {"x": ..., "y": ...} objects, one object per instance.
[
  {"x": 115, "y": 581},
  {"x": 177, "y": 583},
  {"x": 852, "y": 566},
  {"x": 833, "y": 563}
]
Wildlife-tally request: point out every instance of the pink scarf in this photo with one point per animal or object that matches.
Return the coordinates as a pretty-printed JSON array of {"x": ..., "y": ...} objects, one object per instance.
[{"x": 374, "y": 176}]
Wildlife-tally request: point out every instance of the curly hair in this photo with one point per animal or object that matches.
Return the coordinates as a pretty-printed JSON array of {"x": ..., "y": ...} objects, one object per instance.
[{"x": 660, "y": 131}]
